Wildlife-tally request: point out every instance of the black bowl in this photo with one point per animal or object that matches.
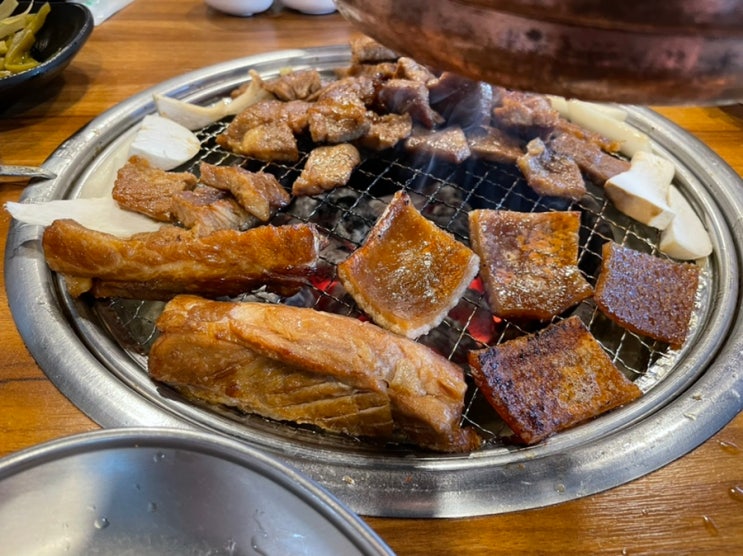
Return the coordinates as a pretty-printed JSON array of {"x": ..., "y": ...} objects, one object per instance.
[{"x": 63, "y": 34}]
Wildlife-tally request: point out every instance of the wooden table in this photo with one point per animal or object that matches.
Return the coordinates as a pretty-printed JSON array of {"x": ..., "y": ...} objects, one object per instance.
[{"x": 692, "y": 506}]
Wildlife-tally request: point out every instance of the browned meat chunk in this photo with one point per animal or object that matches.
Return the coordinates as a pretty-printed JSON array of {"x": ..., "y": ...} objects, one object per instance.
[
  {"x": 366, "y": 50},
  {"x": 449, "y": 144},
  {"x": 526, "y": 113},
  {"x": 648, "y": 295},
  {"x": 550, "y": 173},
  {"x": 606, "y": 145},
  {"x": 340, "y": 115},
  {"x": 141, "y": 187},
  {"x": 295, "y": 85},
  {"x": 161, "y": 264},
  {"x": 421, "y": 391},
  {"x": 376, "y": 72},
  {"x": 528, "y": 262},
  {"x": 198, "y": 354},
  {"x": 293, "y": 113},
  {"x": 596, "y": 164},
  {"x": 490, "y": 143},
  {"x": 361, "y": 87},
  {"x": 409, "y": 273},
  {"x": 409, "y": 69},
  {"x": 327, "y": 167},
  {"x": 268, "y": 142},
  {"x": 403, "y": 96},
  {"x": 259, "y": 193},
  {"x": 206, "y": 209},
  {"x": 547, "y": 382},
  {"x": 386, "y": 131},
  {"x": 461, "y": 101}
]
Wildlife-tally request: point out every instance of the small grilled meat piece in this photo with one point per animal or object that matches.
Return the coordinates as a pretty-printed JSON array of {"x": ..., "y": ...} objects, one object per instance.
[
  {"x": 293, "y": 113},
  {"x": 206, "y": 209},
  {"x": 448, "y": 144},
  {"x": 522, "y": 112},
  {"x": 294, "y": 85},
  {"x": 596, "y": 164},
  {"x": 403, "y": 96},
  {"x": 327, "y": 167},
  {"x": 461, "y": 101},
  {"x": 528, "y": 262},
  {"x": 646, "y": 294},
  {"x": 259, "y": 193},
  {"x": 386, "y": 131},
  {"x": 340, "y": 115},
  {"x": 375, "y": 72},
  {"x": 409, "y": 273},
  {"x": 365, "y": 50},
  {"x": 551, "y": 173},
  {"x": 547, "y": 382},
  {"x": 423, "y": 390},
  {"x": 491, "y": 143},
  {"x": 143, "y": 188},
  {"x": 409, "y": 69},
  {"x": 271, "y": 142},
  {"x": 161, "y": 264}
]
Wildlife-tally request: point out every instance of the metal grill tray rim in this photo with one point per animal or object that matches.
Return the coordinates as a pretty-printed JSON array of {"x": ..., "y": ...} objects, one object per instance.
[{"x": 699, "y": 396}]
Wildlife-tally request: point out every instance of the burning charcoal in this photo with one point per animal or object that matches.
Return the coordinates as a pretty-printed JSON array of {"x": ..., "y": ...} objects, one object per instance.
[
  {"x": 449, "y": 144},
  {"x": 550, "y": 173},
  {"x": 403, "y": 96},
  {"x": 461, "y": 101},
  {"x": 327, "y": 167}
]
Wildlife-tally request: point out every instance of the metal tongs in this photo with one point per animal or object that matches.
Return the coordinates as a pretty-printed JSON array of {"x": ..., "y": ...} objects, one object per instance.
[{"x": 25, "y": 172}]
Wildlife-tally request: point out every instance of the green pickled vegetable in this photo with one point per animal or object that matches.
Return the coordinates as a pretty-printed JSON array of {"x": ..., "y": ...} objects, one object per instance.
[{"x": 17, "y": 37}]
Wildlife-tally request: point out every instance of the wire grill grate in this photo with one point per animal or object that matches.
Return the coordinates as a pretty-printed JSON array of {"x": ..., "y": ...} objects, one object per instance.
[{"x": 444, "y": 193}]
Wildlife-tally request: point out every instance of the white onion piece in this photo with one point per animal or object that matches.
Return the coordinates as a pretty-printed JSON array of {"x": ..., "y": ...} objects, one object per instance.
[
  {"x": 101, "y": 214},
  {"x": 603, "y": 119},
  {"x": 164, "y": 143},
  {"x": 685, "y": 237}
]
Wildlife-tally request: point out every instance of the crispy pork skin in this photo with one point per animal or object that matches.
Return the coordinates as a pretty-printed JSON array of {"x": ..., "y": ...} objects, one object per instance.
[
  {"x": 292, "y": 363},
  {"x": 528, "y": 262},
  {"x": 549, "y": 381},
  {"x": 646, "y": 294},
  {"x": 161, "y": 264},
  {"x": 409, "y": 272}
]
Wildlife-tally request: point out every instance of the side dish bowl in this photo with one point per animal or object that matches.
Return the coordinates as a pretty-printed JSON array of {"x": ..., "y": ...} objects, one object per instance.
[
  {"x": 65, "y": 31},
  {"x": 163, "y": 491}
]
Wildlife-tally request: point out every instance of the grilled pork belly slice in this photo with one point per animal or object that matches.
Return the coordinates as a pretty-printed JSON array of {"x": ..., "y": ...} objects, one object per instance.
[
  {"x": 161, "y": 264},
  {"x": 293, "y": 363},
  {"x": 646, "y": 294},
  {"x": 528, "y": 262},
  {"x": 409, "y": 273},
  {"x": 549, "y": 381},
  {"x": 551, "y": 173},
  {"x": 207, "y": 209},
  {"x": 143, "y": 188},
  {"x": 259, "y": 193},
  {"x": 327, "y": 167}
]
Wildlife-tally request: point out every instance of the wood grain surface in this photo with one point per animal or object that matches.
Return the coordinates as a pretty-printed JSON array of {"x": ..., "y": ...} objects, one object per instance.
[{"x": 692, "y": 506}]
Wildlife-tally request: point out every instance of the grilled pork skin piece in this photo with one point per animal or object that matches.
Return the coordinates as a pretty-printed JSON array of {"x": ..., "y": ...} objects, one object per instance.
[
  {"x": 161, "y": 264},
  {"x": 547, "y": 382},
  {"x": 290, "y": 362},
  {"x": 528, "y": 262}
]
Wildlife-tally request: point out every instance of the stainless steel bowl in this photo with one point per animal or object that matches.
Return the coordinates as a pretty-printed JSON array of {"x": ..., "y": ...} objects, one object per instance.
[
  {"x": 633, "y": 51},
  {"x": 161, "y": 491}
]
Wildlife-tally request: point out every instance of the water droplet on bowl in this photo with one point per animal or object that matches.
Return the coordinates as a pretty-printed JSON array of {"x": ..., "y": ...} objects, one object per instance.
[{"x": 101, "y": 523}]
